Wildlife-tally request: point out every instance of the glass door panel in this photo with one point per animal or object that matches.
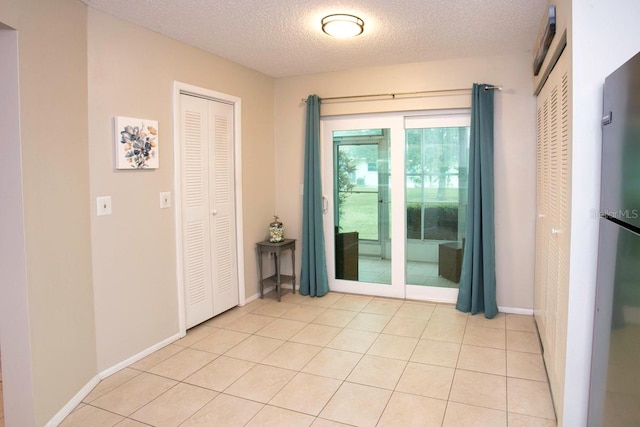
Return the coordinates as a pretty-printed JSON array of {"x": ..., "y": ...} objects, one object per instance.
[
  {"x": 357, "y": 191},
  {"x": 356, "y": 153},
  {"x": 436, "y": 163},
  {"x": 361, "y": 208}
]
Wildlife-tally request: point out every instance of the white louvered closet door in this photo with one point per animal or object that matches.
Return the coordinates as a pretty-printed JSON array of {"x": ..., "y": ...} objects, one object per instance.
[
  {"x": 208, "y": 208},
  {"x": 552, "y": 227}
]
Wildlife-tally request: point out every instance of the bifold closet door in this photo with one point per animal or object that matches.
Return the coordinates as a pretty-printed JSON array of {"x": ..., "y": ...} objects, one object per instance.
[
  {"x": 208, "y": 208},
  {"x": 553, "y": 222}
]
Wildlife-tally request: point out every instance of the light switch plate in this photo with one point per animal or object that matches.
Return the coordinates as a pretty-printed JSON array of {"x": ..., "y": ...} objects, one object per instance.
[
  {"x": 165, "y": 200},
  {"x": 103, "y": 205}
]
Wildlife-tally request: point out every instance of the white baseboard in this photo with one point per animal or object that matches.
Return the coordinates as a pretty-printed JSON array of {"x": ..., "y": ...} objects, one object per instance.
[
  {"x": 71, "y": 404},
  {"x": 133, "y": 359},
  {"x": 515, "y": 310},
  {"x": 445, "y": 296},
  {"x": 79, "y": 397},
  {"x": 256, "y": 295},
  {"x": 266, "y": 291},
  {"x": 449, "y": 296}
]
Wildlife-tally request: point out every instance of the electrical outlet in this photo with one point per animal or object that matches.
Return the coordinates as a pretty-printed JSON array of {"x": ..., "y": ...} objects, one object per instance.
[
  {"x": 103, "y": 205},
  {"x": 165, "y": 200}
]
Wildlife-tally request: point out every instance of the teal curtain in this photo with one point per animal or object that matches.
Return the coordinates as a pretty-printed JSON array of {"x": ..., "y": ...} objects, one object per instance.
[
  {"x": 477, "y": 291},
  {"x": 313, "y": 277}
]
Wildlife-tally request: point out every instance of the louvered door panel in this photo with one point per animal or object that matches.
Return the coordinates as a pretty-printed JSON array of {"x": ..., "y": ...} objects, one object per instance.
[
  {"x": 554, "y": 157},
  {"x": 564, "y": 241},
  {"x": 550, "y": 229},
  {"x": 195, "y": 211},
  {"x": 541, "y": 236},
  {"x": 223, "y": 154},
  {"x": 549, "y": 340},
  {"x": 223, "y": 225}
]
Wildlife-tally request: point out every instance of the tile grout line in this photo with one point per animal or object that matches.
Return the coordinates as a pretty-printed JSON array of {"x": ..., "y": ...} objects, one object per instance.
[
  {"x": 301, "y": 370},
  {"x": 455, "y": 370},
  {"x": 322, "y": 347}
]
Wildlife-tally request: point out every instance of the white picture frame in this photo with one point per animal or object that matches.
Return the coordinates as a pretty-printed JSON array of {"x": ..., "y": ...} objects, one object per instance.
[{"x": 136, "y": 143}]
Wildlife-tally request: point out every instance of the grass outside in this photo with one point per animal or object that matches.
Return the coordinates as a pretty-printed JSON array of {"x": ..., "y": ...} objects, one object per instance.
[
  {"x": 360, "y": 210},
  {"x": 360, "y": 213}
]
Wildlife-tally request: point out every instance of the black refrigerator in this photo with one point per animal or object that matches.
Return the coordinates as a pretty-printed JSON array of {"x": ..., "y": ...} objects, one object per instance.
[{"x": 615, "y": 367}]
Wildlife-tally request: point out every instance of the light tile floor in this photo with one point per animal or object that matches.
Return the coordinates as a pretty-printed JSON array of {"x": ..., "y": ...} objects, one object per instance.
[{"x": 331, "y": 361}]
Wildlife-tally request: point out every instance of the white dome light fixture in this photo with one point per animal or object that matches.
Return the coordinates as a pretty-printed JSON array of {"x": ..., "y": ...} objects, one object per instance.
[{"x": 342, "y": 25}]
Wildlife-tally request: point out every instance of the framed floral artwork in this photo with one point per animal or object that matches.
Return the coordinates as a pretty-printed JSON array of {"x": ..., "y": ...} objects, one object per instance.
[{"x": 136, "y": 143}]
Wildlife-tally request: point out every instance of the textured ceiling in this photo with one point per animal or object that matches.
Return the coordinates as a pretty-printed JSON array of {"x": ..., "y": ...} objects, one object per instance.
[{"x": 283, "y": 37}]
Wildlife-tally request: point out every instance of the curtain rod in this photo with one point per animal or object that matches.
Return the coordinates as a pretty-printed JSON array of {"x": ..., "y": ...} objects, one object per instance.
[{"x": 393, "y": 95}]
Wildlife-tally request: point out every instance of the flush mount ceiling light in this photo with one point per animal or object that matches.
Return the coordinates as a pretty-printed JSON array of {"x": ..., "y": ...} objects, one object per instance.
[{"x": 342, "y": 25}]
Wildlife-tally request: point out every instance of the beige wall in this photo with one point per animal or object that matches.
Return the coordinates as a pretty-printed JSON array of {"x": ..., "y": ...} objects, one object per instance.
[
  {"x": 514, "y": 147},
  {"x": 131, "y": 73},
  {"x": 15, "y": 345},
  {"x": 53, "y": 140}
]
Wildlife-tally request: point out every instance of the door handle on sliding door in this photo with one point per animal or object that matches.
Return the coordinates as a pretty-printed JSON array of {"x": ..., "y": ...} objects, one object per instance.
[{"x": 325, "y": 204}]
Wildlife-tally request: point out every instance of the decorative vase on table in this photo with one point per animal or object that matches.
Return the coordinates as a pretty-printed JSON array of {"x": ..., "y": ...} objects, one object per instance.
[{"x": 276, "y": 230}]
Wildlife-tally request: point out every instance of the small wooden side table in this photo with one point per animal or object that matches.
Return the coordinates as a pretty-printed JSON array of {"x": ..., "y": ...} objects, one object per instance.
[{"x": 277, "y": 279}]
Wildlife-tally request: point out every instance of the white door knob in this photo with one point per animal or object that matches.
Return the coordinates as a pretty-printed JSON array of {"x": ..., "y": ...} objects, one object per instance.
[{"x": 214, "y": 212}]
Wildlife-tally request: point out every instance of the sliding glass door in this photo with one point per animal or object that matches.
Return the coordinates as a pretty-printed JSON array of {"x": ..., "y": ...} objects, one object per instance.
[{"x": 384, "y": 242}]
